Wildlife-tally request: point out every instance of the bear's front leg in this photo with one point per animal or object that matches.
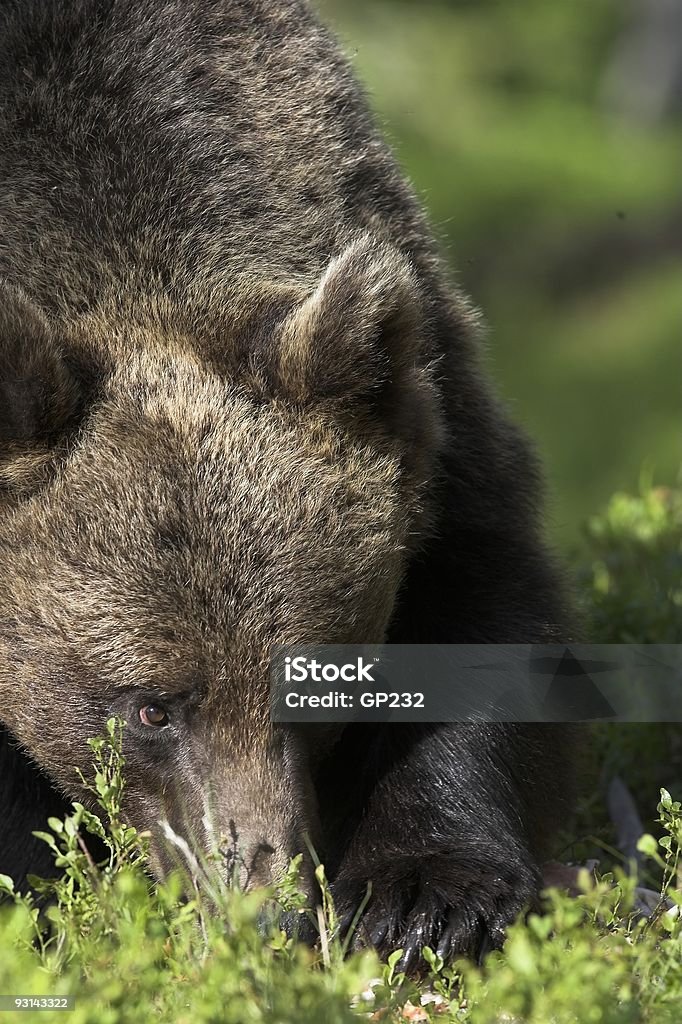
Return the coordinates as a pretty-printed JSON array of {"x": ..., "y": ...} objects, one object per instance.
[{"x": 441, "y": 840}]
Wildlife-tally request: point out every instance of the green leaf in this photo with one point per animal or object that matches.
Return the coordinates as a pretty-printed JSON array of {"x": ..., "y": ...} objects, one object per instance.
[
  {"x": 647, "y": 845},
  {"x": 6, "y": 884},
  {"x": 47, "y": 838}
]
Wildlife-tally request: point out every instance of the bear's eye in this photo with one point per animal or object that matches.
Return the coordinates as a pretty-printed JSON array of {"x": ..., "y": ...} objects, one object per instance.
[{"x": 154, "y": 716}]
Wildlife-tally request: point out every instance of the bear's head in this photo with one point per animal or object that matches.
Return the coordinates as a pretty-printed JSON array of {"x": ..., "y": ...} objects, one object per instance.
[{"x": 171, "y": 509}]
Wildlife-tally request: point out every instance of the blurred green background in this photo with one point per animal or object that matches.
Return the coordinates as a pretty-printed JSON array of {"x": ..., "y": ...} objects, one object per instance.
[{"x": 545, "y": 138}]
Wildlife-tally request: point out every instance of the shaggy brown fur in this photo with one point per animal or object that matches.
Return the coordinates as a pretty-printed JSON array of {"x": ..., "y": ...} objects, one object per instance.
[{"x": 241, "y": 405}]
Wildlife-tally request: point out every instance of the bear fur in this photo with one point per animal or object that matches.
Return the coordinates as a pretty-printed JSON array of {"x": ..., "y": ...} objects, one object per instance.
[{"x": 242, "y": 404}]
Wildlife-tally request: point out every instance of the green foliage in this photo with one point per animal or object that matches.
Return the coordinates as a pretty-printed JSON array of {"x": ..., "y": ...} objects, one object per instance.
[
  {"x": 151, "y": 954},
  {"x": 630, "y": 578},
  {"x": 586, "y": 960},
  {"x": 633, "y": 581}
]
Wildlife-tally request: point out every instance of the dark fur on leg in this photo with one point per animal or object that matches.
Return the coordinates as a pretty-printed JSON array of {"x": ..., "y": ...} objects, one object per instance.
[
  {"x": 27, "y": 800},
  {"x": 450, "y": 822}
]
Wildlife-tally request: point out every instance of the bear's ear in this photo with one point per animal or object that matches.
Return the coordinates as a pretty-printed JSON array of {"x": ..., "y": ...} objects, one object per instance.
[
  {"x": 38, "y": 393},
  {"x": 358, "y": 331}
]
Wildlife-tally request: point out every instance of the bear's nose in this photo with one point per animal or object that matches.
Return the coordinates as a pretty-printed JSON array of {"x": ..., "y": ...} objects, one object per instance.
[{"x": 255, "y": 864}]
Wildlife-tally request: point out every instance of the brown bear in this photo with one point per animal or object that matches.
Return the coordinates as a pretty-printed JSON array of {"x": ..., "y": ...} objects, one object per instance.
[{"x": 241, "y": 405}]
